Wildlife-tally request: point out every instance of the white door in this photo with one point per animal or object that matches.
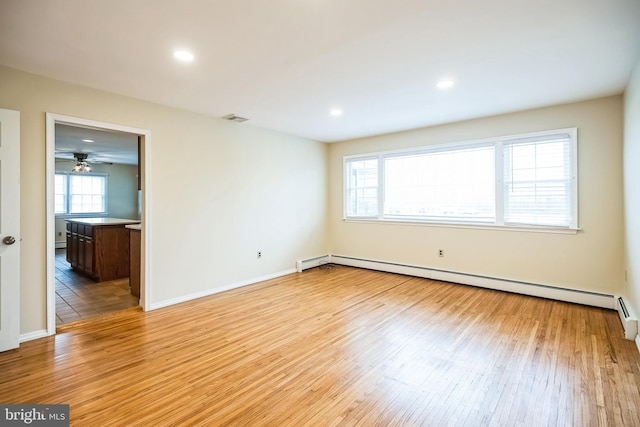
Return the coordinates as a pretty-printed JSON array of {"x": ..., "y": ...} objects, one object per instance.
[{"x": 9, "y": 229}]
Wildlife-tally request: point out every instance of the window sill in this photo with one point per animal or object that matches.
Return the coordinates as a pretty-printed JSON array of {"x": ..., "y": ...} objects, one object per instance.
[{"x": 475, "y": 226}]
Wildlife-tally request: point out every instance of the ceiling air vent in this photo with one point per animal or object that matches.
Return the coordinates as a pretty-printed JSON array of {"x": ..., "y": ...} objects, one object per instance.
[{"x": 234, "y": 118}]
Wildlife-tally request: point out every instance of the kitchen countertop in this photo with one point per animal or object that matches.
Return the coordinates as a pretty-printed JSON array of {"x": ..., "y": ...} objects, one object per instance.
[
  {"x": 104, "y": 221},
  {"x": 134, "y": 226}
]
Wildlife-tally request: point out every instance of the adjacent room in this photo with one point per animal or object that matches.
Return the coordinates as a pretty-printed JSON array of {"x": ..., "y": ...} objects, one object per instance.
[
  {"x": 97, "y": 214},
  {"x": 321, "y": 213}
]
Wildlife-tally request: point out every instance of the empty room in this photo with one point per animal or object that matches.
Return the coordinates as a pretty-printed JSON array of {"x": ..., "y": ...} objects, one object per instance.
[{"x": 306, "y": 213}]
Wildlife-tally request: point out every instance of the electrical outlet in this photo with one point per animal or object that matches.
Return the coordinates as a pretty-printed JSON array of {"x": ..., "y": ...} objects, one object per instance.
[
  {"x": 440, "y": 253},
  {"x": 259, "y": 254},
  {"x": 59, "y": 233}
]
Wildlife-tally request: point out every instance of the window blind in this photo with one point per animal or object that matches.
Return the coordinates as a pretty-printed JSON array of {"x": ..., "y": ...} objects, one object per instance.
[
  {"x": 362, "y": 183},
  {"x": 538, "y": 181},
  {"x": 87, "y": 193},
  {"x": 525, "y": 181}
]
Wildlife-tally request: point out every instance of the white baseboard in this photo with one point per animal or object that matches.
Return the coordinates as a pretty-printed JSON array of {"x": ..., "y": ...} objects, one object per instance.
[
  {"x": 638, "y": 341},
  {"x": 60, "y": 245},
  {"x": 206, "y": 293},
  {"x": 29, "y": 336},
  {"x": 533, "y": 289}
]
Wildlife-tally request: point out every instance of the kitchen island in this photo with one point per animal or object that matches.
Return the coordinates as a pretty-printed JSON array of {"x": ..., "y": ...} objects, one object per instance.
[{"x": 99, "y": 247}]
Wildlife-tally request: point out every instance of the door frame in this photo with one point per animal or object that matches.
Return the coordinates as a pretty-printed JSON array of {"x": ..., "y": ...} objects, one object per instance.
[{"x": 145, "y": 165}]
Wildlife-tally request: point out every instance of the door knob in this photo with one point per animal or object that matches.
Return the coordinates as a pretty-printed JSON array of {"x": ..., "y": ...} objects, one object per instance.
[{"x": 9, "y": 240}]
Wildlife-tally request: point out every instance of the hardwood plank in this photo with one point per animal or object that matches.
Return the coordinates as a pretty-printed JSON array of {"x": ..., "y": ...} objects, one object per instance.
[{"x": 338, "y": 346}]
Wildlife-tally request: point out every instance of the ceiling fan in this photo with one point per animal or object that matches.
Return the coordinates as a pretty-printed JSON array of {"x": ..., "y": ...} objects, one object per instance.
[{"x": 83, "y": 165}]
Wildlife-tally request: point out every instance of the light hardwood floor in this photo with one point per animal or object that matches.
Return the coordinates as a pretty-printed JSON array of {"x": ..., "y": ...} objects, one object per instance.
[{"x": 340, "y": 346}]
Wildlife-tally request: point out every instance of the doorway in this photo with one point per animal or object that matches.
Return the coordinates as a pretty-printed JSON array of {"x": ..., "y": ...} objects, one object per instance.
[{"x": 110, "y": 151}]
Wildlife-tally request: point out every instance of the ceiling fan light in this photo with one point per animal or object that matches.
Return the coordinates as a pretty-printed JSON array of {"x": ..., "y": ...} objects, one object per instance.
[{"x": 81, "y": 166}]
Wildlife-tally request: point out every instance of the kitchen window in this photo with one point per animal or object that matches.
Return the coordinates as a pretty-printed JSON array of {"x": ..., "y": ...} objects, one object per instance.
[
  {"x": 519, "y": 181},
  {"x": 80, "y": 194}
]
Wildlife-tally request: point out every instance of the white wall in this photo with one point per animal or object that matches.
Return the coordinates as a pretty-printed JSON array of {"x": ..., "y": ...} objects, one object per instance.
[
  {"x": 122, "y": 192},
  {"x": 220, "y": 191},
  {"x": 632, "y": 189},
  {"x": 590, "y": 260}
]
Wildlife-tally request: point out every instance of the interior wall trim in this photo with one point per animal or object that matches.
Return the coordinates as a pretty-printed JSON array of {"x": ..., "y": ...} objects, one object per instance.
[
  {"x": 29, "y": 336},
  {"x": 208, "y": 292},
  {"x": 51, "y": 119}
]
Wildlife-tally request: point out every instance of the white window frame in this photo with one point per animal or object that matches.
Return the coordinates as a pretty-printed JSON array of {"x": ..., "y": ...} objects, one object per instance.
[
  {"x": 498, "y": 144},
  {"x": 67, "y": 213},
  {"x": 380, "y": 182}
]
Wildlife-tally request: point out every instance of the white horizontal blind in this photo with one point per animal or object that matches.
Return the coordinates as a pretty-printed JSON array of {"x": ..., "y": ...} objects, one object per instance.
[
  {"x": 87, "y": 194},
  {"x": 60, "y": 199},
  {"x": 361, "y": 198},
  {"x": 538, "y": 181},
  {"x": 453, "y": 185},
  {"x": 525, "y": 181}
]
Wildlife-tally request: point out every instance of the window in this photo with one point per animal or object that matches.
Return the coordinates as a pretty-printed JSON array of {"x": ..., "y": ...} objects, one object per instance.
[
  {"x": 60, "y": 202},
  {"x": 456, "y": 184},
  {"x": 77, "y": 194},
  {"x": 538, "y": 181},
  {"x": 362, "y": 193},
  {"x": 517, "y": 181}
]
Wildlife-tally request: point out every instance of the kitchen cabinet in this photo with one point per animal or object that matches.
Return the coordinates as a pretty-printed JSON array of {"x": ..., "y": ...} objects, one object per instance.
[
  {"x": 135, "y": 248},
  {"x": 99, "y": 247}
]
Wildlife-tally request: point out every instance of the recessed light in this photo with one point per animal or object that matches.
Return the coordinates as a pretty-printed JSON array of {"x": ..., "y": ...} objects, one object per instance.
[
  {"x": 183, "y": 55},
  {"x": 444, "y": 84},
  {"x": 88, "y": 140},
  {"x": 335, "y": 112}
]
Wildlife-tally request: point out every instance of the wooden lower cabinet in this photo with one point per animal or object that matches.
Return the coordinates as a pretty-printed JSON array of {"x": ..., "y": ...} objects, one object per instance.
[
  {"x": 135, "y": 248},
  {"x": 99, "y": 251}
]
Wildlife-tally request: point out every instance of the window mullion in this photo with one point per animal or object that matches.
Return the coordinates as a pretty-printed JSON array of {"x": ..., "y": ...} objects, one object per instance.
[
  {"x": 573, "y": 148},
  {"x": 499, "y": 181}
]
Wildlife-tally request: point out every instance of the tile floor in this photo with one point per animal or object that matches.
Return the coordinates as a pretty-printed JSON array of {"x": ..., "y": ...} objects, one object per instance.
[{"x": 78, "y": 297}]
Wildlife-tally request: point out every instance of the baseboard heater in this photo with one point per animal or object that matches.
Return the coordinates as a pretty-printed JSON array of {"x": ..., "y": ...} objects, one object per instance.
[
  {"x": 304, "y": 264},
  {"x": 533, "y": 289},
  {"x": 629, "y": 322}
]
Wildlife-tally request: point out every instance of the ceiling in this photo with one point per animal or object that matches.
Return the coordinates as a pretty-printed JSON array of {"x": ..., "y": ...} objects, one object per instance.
[
  {"x": 103, "y": 146},
  {"x": 284, "y": 64}
]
